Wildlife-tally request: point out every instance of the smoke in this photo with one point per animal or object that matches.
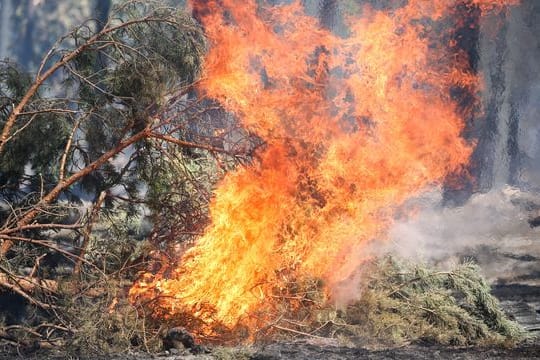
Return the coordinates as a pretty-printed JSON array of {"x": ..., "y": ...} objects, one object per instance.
[
  {"x": 435, "y": 231},
  {"x": 491, "y": 229}
]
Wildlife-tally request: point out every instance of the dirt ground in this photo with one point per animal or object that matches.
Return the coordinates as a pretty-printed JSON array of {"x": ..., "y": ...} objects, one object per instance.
[
  {"x": 530, "y": 350},
  {"x": 303, "y": 350}
]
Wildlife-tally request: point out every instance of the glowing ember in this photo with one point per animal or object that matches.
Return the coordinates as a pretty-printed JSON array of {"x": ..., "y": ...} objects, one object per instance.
[{"x": 354, "y": 126}]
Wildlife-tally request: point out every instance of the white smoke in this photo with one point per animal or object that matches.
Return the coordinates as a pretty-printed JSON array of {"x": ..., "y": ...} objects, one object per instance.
[{"x": 491, "y": 228}]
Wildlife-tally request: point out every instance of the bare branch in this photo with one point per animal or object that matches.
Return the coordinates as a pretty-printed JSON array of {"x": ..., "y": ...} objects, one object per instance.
[
  {"x": 51, "y": 110},
  {"x": 51, "y": 245},
  {"x": 62, "y": 166},
  {"x": 188, "y": 144},
  {"x": 42, "y": 227},
  {"x": 23, "y": 286}
]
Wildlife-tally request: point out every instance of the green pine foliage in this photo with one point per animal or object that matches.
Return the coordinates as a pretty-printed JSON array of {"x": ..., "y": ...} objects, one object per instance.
[
  {"x": 115, "y": 87},
  {"x": 27, "y": 159},
  {"x": 399, "y": 302}
]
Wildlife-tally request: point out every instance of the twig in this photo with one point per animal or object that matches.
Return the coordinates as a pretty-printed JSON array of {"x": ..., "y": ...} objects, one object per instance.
[
  {"x": 56, "y": 327},
  {"x": 22, "y": 128},
  {"x": 20, "y": 327},
  {"x": 298, "y": 332},
  {"x": 323, "y": 325},
  {"x": 295, "y": 323},
  {"x": 36, "y": 265},
  {"x": 62, "y": 167}
]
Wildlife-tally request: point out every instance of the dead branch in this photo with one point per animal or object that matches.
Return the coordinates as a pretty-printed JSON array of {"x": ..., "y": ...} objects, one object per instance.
[
  {"x": 36, "y": 265},
  {"x": 24, "y": 286},
  {"x": 298, "y": 332},
  {"x": 43, "y": 227},
  {"x": 51, "y": 110},
  {"x": 55, "y": 327},
  {"x": 62, "y": 166},
  {"x": 51, "y": 245},
  {"x": 44, "y": 341},
  {"x": 188, "y": 144}
]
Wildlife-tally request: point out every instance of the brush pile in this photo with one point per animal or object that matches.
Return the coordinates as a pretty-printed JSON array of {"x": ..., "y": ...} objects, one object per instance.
[{"x": 401, "y": 303}]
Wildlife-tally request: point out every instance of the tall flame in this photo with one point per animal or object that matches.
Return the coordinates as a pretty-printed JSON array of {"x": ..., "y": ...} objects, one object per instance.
[{"x": 354, "y": 126}]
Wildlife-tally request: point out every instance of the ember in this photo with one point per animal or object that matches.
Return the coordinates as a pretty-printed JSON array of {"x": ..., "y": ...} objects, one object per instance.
[{"x": 353, "y": 126}]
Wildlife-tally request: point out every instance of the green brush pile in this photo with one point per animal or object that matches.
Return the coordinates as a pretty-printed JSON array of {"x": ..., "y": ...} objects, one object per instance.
[{"x": 400, "y": 303}]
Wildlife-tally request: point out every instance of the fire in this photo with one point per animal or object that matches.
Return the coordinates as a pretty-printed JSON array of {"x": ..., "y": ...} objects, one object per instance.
[{"x": 354, "y": 126}]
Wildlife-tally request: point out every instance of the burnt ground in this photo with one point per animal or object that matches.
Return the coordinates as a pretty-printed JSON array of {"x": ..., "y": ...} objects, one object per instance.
[
  {"x": 520, "y": 300},
  {"x": 308, "y": 351},
  {"x": 303, "y": 350},
  {"x": 530, "y": 350}
]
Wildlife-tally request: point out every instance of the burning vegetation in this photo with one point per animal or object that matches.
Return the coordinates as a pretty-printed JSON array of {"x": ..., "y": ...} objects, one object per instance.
[{"x": 353, "y": 125}]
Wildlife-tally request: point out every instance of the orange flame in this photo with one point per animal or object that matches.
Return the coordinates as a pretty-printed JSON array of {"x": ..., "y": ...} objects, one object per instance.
[{"x": 353, "y": 126}]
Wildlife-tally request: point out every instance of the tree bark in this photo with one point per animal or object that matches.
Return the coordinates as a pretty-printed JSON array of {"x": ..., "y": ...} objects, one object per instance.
[{"x": 6, "y": 8}]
